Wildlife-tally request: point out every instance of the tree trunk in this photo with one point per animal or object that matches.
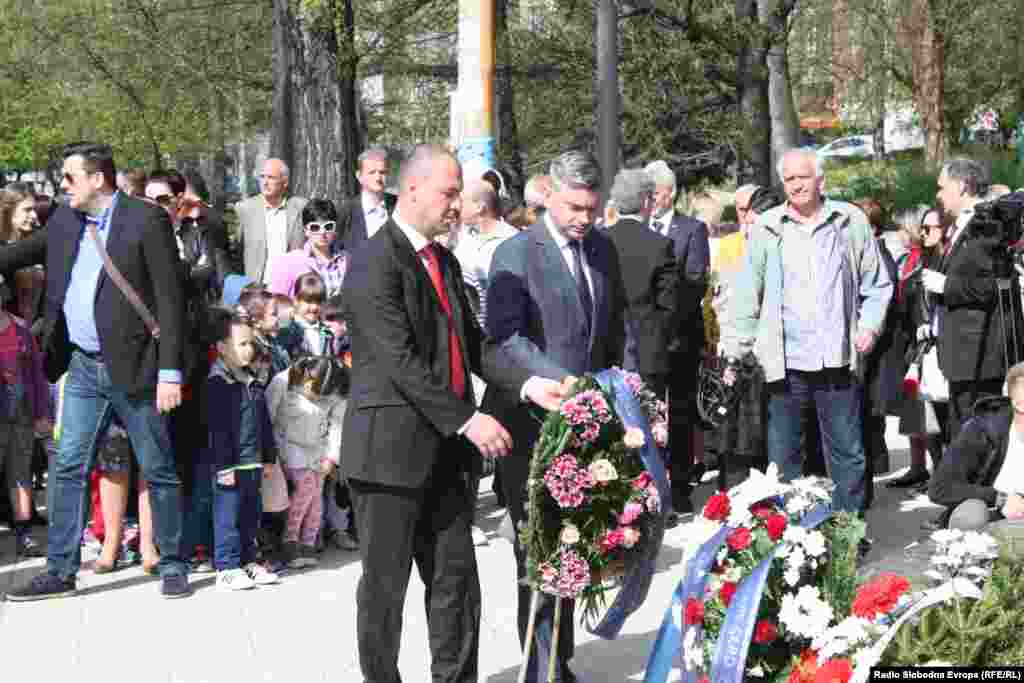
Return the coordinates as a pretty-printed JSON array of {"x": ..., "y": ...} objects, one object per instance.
[
  {"x": 511, "y": 152},
  {"x": 607, "y": 81},
  {"x": 314, "y": 127},
  {"x": 754, "y": 162},
  {"x": 785, "y": 124},
  {"x": 927, "y": 54}
]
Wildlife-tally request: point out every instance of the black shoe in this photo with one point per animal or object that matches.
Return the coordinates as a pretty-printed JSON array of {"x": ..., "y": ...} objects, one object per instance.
[
  {"x": 43, "y": 587},
  {"x": 912, "y": 477},
  {"x": 174, "y": 586}
]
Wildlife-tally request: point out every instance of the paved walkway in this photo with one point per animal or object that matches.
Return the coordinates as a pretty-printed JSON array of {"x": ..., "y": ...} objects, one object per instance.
[{"x": 303, "y": 631}]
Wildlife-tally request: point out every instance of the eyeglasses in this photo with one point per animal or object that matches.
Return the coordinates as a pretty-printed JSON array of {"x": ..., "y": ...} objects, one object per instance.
[
  {"x": 315, "y": 228},
  {"x": 164, "y": 200}
]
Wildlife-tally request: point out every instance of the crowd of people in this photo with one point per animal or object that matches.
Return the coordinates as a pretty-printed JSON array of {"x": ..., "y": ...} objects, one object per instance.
[{"x": 351, "y": 374}]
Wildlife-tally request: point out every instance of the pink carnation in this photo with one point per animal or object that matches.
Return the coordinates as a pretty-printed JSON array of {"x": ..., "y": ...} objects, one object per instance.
[
  {"x": 642, "y": 481},
  {"x": 611, "y": 540},
  {"x": 630, "y": 513}
]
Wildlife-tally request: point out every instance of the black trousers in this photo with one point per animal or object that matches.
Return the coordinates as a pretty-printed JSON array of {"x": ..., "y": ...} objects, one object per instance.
[
  {"x": 962, "y": 397},
  {"x": 682, "y": 419},
  {"x": 431, "y": 526},
  {"x": 514, "y": 470}
]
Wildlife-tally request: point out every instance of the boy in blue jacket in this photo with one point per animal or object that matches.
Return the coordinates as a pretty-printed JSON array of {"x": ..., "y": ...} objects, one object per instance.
[{"x": 239, "y": 452}]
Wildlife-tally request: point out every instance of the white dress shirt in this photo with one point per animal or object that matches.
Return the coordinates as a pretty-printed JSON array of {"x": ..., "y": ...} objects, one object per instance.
[
  {"x": 663, "y": 224},
  {"x": 1011, "y": 475},
  {"x": 375, "y": 214},
  {"x": 277, "y": 236}
]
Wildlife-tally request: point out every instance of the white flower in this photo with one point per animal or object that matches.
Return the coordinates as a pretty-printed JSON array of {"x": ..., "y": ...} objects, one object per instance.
[
  {"x": 692, "y": 652},
  {"x": 794, "y": 535},
  {"x": 805, "y": 613},
  {"x": 603, "y": 471},
  {"x": 814, "y": 544},
  {"x": 739, "y": 515},
  {"x": 796, "y": 558},
  {"x": 841, "y": 638},
  {"x": 634, "y": 438},
  {"x": 570, "y": 535},
  {"x": 981, "y": 545},
  {"x": 797, "y": 505},
  {"x": 792, "y": 576},
  {"x": 723, "y": 552},
  {"x": 946, "y": 536},
  {"x": 756, "y": 671}
]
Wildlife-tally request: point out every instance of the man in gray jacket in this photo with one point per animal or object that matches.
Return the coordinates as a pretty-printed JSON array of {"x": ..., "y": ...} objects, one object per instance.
[
  {"x": 270, "y": 225},
  {"x": 811, "y": 300}
]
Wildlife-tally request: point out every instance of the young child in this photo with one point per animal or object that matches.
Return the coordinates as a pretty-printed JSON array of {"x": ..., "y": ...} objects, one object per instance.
[
  {"x": 307, "y": 335},
  {"x": 24, "y": 412},
  {"x": 264, "y": 309},
  {"x": 307, "y": 406},
  {"x": 240, "y": 451},
  {"x": 333, "y": 315}
]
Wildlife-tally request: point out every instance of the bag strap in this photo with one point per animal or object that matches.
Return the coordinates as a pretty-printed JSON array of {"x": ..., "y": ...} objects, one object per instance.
[{"x": 123, "y": 284}]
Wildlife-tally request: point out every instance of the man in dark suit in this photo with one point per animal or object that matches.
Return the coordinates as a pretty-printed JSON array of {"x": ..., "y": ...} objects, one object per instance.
[
  {"x": 412, "y": 423},
  {"x": 693, "y": 261},
  {"x": 114, "y": 365},
  {"x": 970, "y": 328},
  {"x": 555, "y": 305},
  {"x": 649, "y": 275},
  {"x": 363, "y": 215}
]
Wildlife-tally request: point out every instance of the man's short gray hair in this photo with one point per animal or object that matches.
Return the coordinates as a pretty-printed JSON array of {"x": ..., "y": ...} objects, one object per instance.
[
  {"x": 285, "y": 171},
  {"x": 819, "y": 168},
  {"x": 631, "y": 188},
  {"x": 974, "y": 176},
  {"x": 378, "y": 153},
  {"x": 910, "y": 220},
  {"x": 575, "y": 169},
  {"x": 662, "y": 175}
]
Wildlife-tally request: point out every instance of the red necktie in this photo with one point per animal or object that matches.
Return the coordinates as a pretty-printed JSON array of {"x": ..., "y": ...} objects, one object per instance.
[{"x": 458, "y": 371}]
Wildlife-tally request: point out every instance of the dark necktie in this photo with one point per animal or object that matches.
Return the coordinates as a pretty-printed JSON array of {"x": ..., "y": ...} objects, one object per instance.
[
  {"x": 582, "y": 288},
  {"x": 456, "y": 368}
]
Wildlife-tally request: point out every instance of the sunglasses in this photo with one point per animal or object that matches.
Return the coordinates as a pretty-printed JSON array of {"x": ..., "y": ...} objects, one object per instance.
[
  {"x": 189, "y": 221},
  {"x": 315, "y": 228}
]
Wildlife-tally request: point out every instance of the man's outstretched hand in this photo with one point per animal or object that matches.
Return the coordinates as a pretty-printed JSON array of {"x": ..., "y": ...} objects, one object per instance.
[{"x": 546, "y": 393}]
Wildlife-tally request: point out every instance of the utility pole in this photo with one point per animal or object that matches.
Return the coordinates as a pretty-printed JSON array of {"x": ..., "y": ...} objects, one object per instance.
[
  {"x": 608, "y": 91},
  {"x": 472, "y": 105}
]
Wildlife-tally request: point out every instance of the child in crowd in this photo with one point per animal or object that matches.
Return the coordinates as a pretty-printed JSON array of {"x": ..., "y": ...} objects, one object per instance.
[
  {"x": 307, "y": 335},
  {"x": 333, "y": 316},
  {"x": 264, "y": 309},
  {"x": 307, "y": 406},
  {"x": 24, "y": 412},
  {"x": 240, "y": 451}
]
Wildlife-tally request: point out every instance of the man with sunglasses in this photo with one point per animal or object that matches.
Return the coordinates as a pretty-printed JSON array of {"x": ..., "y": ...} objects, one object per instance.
[
  {"x": 115, "y": 364},
  {"x": 321, "y": 254}
]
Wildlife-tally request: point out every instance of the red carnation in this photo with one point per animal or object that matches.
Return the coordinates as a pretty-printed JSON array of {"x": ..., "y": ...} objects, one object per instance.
[
  {"x": 694, "y": 613},
  {"x": 726, "y": 592},
  {"x": 740, "y": 539},
  {"x": 834, "y": 671},
  {"x": 776, "y": 525},
  {"x": 765, "y": 632},
  {"x": 805, "y": 669},
  {"x": 704, "y": 679},
  {"x": 717, "y": 508},
  {"x": 762, "y": 510},
  {"x": 879, "y": 596}
]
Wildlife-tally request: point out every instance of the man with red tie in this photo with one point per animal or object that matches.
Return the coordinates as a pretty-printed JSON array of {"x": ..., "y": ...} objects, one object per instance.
[{"x": 412, "y": 423}]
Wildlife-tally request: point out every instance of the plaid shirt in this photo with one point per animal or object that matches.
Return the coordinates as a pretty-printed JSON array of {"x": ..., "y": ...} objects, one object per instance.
[{"x": 332, "y": 272}]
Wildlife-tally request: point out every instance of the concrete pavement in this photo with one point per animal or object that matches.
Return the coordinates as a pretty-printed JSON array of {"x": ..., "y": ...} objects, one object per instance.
[{"x": 303, "y": 631}]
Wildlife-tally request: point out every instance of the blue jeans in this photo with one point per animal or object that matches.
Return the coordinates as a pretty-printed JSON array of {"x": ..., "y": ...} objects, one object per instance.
[
  {"x": 90, "y": 403},
  {"x": 236, "y": 517},
  {"x": 835, "y": 395}
]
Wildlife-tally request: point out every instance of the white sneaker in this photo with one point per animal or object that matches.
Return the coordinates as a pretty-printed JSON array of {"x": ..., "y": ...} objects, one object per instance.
[
  {"x": 261, "y": 575},
  {"x": 234, "y": 580}
]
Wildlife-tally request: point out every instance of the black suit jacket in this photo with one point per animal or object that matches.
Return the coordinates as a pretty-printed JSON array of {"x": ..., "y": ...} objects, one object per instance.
[
  {"x": 352, "y": 222},
  {"x": 402, "y": 412},
  {"x": 693, "y": 261},
  {"x": 970, "y": 326},
  {"x": 141, "y": 244},
  {"x": 649, "y": 275}
]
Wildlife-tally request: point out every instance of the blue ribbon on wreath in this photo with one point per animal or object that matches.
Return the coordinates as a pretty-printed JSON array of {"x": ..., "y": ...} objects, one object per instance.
[
  {"x": 731, "y": 653},
  {"x": 640, "y": 570}
]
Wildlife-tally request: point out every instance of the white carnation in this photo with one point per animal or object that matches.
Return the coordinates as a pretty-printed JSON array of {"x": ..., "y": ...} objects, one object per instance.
[
  {"x": 805, "y": 613},
  {"x": 814, "y": 544}
]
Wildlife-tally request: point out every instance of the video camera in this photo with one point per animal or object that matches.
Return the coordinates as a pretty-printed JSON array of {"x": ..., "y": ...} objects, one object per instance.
[{"x": 1001, "y": 219}]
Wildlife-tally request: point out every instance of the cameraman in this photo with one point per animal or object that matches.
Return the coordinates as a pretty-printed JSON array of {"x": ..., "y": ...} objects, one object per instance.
[
  {"x": 968, "y": 324},
  {"x": 981, "y": 477}
]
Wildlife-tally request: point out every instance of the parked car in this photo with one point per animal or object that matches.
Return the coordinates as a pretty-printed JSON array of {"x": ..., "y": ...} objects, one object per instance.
[{"x": 853, "y": 146}]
